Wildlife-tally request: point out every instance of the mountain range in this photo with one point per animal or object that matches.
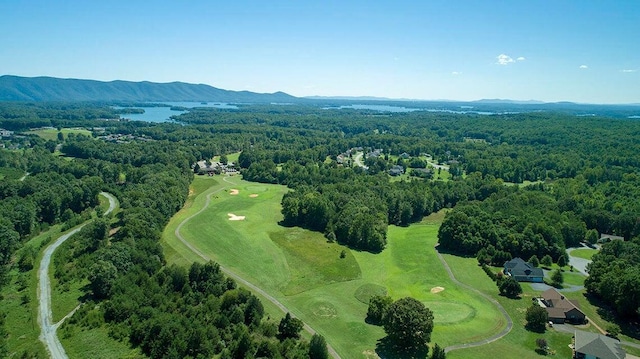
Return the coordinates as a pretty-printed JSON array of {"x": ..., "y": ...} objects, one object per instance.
[{"x": 16, "y": 88}]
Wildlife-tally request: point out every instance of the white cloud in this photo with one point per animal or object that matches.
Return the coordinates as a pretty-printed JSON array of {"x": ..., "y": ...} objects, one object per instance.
[
  {"x": 521, "y": 58},
  {"x": 629, "y": 70},
  {"x": 584, "y": 67},
  {"x": 456, "y": 73},
  {"x": 504, "y": 59}
]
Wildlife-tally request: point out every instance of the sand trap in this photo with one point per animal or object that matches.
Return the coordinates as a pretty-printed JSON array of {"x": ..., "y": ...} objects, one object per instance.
[
  {"x": 436, "y": 290},
  {"x": 234, "y": 191},
  {"x": 233, "y": 217},
  {"x": 253, "y": 195}
]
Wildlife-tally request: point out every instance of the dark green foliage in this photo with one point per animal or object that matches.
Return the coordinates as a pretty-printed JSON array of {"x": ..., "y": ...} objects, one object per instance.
[
  {"x": 613, "y": 330},
  {"x": 509, "y": 287},
  {"x": 537, "y": 318},
  {"x": 546, "y": 261},
  {"x": 562, "y": 261},
  {"x": 489, "y": 272},
  {"x": 378, "y": 305},
  {"x": 614, "y": 275},
  {"x": 408, "y": 325},
  {"x": 289, "y": 327},
  {"x": 438, "y": 352},
  {"x": 318, "y": 347},
  {"x": 534, "y": 261},
  {"x": 557, "y": 278},
  {"x": 592, "y": 237}
]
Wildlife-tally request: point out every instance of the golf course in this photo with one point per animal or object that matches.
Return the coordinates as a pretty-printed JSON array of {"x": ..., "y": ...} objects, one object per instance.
[{"x": 328, "y": 286}]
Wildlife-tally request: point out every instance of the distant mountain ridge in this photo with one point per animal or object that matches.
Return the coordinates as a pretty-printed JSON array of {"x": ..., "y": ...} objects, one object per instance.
[{"x": 17, "y": 88}]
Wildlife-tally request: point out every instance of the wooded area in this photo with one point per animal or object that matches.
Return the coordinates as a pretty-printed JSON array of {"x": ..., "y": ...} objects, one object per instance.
[{"x": 583, "y": 173}]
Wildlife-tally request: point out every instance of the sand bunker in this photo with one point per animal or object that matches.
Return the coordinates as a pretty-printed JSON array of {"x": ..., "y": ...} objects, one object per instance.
[
  {"x": 253, "y": 195},
  {"x": 233, "y": 217},
  {"x": 435, "y": 290},
  {"x": 234, "y": 191}
]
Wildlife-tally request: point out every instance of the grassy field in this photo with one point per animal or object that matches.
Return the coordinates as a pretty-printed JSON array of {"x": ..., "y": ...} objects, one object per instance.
[
  {"x": 52, "y": 133},
  {"x": 585, "y": 253},
  {"x": 307, "y": 275}
]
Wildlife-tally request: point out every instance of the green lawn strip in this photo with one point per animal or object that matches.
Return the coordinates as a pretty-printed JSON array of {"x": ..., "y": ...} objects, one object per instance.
[
  {"x": 519, "y": 343},
  {"x": 585, "y": 253},
  {"x": 52, "y": 133},
  {"x": 95, "y": 343},
  {"x": 573, "y": 278},
  {"x": 313, "y": 261}
]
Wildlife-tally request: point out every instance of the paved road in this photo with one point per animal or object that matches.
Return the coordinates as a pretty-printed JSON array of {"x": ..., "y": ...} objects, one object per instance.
[
  {"x": 491, "y": 339},
  {"x": 235, "y": 276},
  {"x": 47, "y": 327},
  {"x": 578, "y": 263}
]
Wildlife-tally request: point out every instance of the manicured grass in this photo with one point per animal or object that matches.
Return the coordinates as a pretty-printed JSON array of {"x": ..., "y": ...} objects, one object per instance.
[
  {"x": 573, "y": 278},
  {"x": 313, "y": 261},
  {"x": 519, "y": 343},
  {"x": 52, "y": 133},
  {"x": 585, "y": 253},
  {"x": 296, "y": 266}
]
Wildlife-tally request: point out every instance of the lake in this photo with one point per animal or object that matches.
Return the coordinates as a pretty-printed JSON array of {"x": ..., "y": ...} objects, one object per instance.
[
  {"x": 163, "y": 114},
  {"x": 390, "y": 108}
]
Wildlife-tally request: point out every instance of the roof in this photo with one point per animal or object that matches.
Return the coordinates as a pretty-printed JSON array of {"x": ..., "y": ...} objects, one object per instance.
[
  {"x": 557, "y": 303},
  {"x": 598, "y": 345},
  {"x": 611, "y": 237},
  {"x": 518, "y": 267}
]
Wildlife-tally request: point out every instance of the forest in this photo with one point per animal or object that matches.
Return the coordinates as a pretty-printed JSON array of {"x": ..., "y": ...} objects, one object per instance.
[{"x": 526, "y": 184}]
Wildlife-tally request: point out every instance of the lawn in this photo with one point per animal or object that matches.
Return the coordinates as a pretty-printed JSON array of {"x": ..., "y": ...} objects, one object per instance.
[
  {"x": 585, "y": 253},
  {"x": 305, "y": 272},
  {"x": 52, "y": 133}
]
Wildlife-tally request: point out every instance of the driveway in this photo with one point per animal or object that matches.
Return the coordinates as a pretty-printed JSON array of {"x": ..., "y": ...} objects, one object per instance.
[{"x": 580, "y": 264}]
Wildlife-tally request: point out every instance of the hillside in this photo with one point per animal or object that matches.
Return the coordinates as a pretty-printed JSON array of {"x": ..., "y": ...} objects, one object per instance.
[{"x": 16, "y": 88}]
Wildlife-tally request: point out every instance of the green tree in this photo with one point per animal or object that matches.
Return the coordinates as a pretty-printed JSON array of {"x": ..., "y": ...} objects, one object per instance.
[
  {"x": 613, "y": 330},
  {"x": 592, "y": 236},
  {"x": 547, "y": 261},
  {"x": 509, "y": 287},
  {"x": 60, "y": 136},
  {"x": 408, "y": 324},
  {"x": 318, "y": 347},
  {"x": 537, "y": 318},
  {"x": 378, "y": 305},
  {"x": 224, "y": 159},
  {"x": 101, "y": 278},
  {"x": 534, "y": 261},
  {"x": 289, "y": 327},
  {"x": 562, "y": 261},
  {"x": 557, "y": 278},
  {"x": 438, "y": 352}
]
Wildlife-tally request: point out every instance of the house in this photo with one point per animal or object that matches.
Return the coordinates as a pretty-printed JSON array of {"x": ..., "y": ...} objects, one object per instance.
[
  {"x": 588, "y": 345},
  {"x": 523, "y": 271},
  {"x": 560, "y": 309},
  {"x": 404, "y": 155},
  {"x": 5, "y": 133},
  {"x": 604, "y": 238},
  {"x": 396, "y": 170}
]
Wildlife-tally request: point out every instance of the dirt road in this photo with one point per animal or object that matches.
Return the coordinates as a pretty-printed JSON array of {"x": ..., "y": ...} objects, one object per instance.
[{"x": 47, "y": 328}]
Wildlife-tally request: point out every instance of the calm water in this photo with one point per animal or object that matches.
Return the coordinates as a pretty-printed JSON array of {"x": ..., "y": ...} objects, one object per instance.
[
  {"x": 163, "y": 114},
  {"x": 388, "y": 108}
]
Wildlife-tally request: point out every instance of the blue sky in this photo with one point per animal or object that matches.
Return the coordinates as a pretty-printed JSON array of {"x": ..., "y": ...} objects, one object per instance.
[{"x": 559, "y": 50}]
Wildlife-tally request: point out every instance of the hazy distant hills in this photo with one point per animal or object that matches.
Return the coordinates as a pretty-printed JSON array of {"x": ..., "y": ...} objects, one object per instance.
[{"x": 16, "y": 88}]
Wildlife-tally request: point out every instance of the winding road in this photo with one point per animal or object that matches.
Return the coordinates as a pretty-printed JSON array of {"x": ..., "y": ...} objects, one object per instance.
[
  {"x": 45, "y": 318},
  {"x": 492, "y": 338},
  {"x": 235, "y": 276}
]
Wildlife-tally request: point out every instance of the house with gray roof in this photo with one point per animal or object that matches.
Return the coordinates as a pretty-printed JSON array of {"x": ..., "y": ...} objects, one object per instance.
[
  {"x": 588, "y": 345},
  {"x": 523, "y": 271}
]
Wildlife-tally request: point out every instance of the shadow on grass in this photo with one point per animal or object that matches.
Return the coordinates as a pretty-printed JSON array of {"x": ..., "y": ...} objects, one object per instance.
[
  {"x": 628, "y": 326},
  {"x": 388, "y": 350}
]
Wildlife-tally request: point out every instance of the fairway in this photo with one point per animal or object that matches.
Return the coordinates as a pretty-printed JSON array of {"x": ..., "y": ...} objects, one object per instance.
[
  {"x": 52, "y": 133},
  {"x": 327, "y": 290}
]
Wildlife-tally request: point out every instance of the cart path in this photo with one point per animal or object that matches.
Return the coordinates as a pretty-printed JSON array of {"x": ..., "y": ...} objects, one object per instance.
[
  {"x": 492, "y": 338},
  {"x": 45, "y": 318},
  {"x": 235, "y": 276}
]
